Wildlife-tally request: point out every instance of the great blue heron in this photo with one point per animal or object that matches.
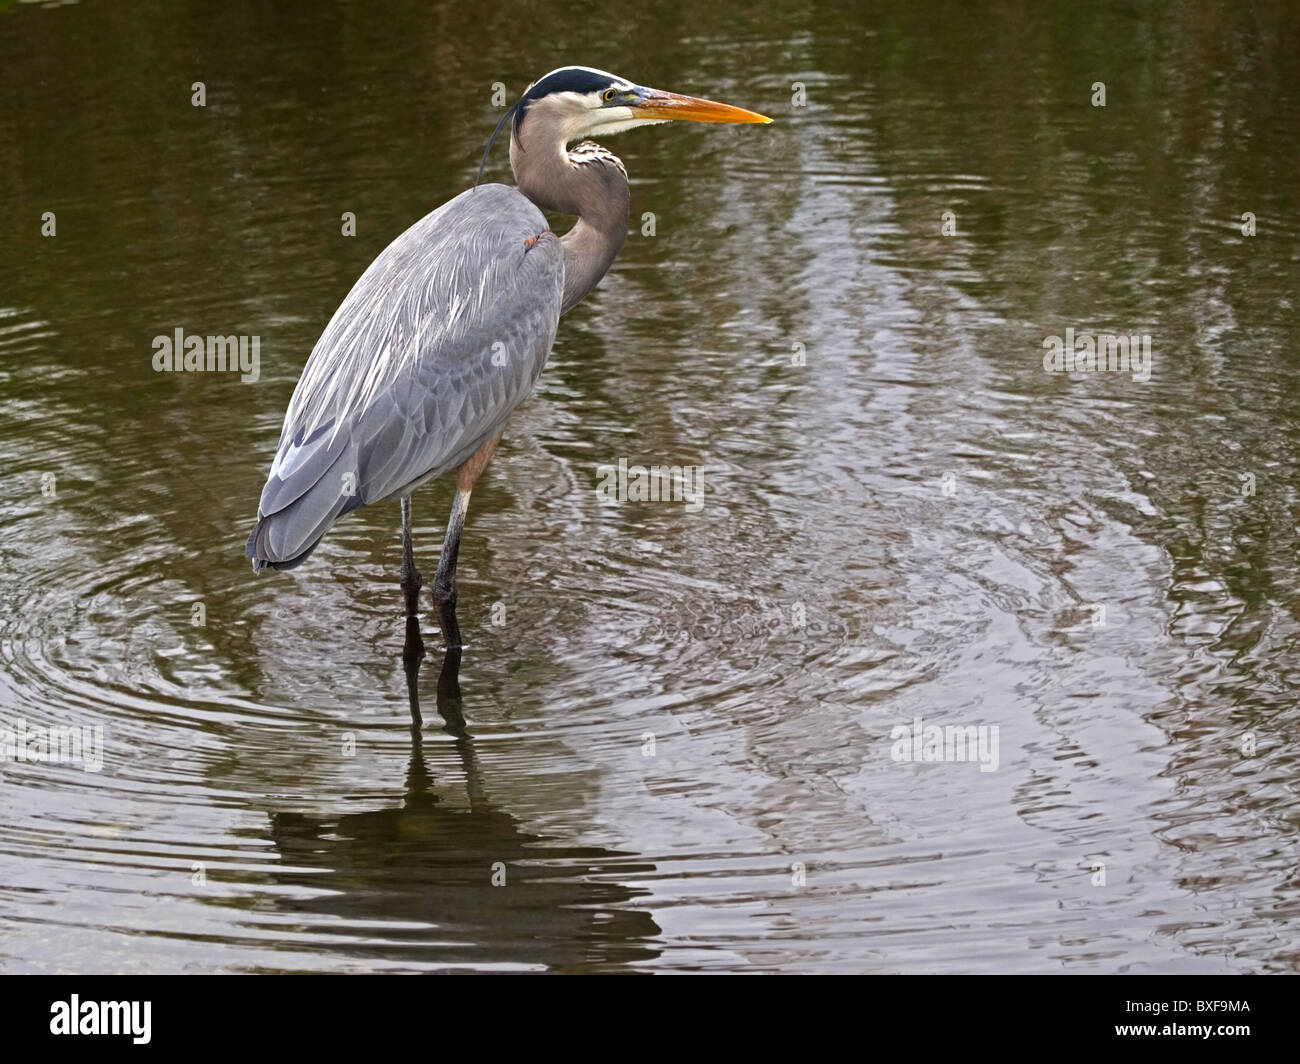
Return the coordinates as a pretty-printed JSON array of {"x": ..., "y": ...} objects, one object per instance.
[{"x": 448, "y": 329}]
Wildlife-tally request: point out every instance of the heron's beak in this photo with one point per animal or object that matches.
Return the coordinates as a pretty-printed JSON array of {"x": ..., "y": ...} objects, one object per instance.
[{"x": 663, "y": 106}]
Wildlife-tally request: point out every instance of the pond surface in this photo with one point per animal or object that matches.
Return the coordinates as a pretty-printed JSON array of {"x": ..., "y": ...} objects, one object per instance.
[{"x": 679, "y": 749}]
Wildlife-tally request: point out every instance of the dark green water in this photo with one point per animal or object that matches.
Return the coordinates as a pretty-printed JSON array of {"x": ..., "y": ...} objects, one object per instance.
[{"x": 918, "y": 521}]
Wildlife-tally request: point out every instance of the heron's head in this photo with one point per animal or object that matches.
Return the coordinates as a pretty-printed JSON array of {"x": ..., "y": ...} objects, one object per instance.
[
  {"x": 572, "y": 103},
  {"x": 579, "y": 102}
]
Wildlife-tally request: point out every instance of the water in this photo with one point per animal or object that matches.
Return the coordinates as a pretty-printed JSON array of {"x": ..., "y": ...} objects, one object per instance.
[{"x": 677, "y": 749}]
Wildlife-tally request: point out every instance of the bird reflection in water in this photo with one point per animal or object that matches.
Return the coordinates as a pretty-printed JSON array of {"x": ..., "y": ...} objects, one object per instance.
[{"x": 432, "y": 884}]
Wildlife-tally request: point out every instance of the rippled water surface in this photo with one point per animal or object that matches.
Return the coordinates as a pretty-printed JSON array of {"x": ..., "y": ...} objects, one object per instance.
[{"x": 677, "y": 746}]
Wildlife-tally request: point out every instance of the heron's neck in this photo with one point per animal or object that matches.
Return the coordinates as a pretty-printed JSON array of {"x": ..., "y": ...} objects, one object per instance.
[
  {"x": 588, "y": 182},
  {"x": 590, "y": 248}
]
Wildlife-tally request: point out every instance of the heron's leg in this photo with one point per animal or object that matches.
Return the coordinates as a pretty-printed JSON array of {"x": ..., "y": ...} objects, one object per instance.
[
  {"x": 413, "y": 651},
  {"x": 411, "y": 579},
  {"x": 444, "y": 581}
]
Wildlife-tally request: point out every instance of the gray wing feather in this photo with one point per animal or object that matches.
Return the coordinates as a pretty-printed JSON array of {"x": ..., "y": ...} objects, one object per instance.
[{"x": 440, "y": 339}]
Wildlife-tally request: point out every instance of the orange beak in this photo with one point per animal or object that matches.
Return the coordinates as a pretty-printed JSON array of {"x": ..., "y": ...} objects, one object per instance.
[{"x": 669, "y": 105}]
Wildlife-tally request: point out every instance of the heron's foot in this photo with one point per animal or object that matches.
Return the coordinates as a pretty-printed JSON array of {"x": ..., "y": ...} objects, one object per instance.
[
  {"x": 444, "y": 602},
  {"x": 412, "y": 656},
  {"x": 449, "y": 705},
  {"x": 410, "y": 584},
  {"x": 413, "y": 648}
]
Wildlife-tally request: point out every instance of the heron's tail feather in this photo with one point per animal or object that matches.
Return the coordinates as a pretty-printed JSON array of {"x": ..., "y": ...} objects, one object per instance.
[
  {"x": 257, "y": 550},
  {"x": 310, "y": 486},
  {"x": 284, "y": 540}
]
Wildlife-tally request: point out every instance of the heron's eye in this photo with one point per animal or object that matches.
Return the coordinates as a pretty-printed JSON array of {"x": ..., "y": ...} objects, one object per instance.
[{"x": 609, "y": 95}]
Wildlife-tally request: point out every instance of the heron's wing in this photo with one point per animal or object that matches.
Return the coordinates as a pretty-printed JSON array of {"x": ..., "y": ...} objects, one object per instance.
[{"x": 439, "y": 340}]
